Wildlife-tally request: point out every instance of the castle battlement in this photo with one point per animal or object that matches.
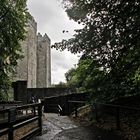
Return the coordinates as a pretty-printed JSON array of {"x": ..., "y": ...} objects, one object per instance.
[
  {"x": 46, "y": 38},
  {"x": 39, "y": 37},
  {"x": 32, "y": 22}
]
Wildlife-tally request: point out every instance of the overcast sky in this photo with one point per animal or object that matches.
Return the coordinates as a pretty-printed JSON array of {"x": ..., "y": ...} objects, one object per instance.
[{"x": 52, "y": 19}]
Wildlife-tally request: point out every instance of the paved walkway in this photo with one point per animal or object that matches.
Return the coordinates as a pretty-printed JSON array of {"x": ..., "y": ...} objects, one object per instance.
[
  {"x": 54, "y": 124},
  {"x": 63, "y": 128}
]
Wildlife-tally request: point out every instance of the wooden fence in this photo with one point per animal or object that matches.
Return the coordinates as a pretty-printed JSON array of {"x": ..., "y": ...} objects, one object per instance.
[
  {"x": 101, "y": 109},
  {"x": 76, "y": 105},
  {"x": 118, "y": 111},
  {"x": 21, "y": 122}
]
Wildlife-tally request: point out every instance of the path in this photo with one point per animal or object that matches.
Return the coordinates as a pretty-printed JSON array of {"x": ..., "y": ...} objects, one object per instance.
[
  {"x": 63, "y": 128},
  {"x": 53, "y": 125}
]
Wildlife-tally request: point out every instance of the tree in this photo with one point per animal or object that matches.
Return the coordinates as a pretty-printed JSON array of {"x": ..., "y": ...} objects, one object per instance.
[
  {"x": 111, "y": 37},
  {"x": 13, "y": 19},
  {"x": 86, "y": 77},
  {"x": 69, "y": 76}
]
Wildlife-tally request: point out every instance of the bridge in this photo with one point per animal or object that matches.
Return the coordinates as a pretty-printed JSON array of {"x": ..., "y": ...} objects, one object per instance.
[
  {"x": 65, "y": 104},
  {"x": 25, "y": 121}
]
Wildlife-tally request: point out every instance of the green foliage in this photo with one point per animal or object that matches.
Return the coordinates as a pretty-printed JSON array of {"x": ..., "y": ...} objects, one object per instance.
[
  {"x": 85, "y": 76},
  {"x": 110, "y": 38},
  {"x": 13, "y": 19},
  {"x": 71, "y": 77}
]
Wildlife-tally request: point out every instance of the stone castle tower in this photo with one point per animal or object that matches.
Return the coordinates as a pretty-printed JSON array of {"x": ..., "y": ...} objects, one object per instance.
[
  {"x": 35, "y": 67},
  {"x": 43, "y": 61}
]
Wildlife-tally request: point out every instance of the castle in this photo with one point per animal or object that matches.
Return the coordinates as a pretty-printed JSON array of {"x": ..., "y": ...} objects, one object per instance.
[{"x": 35, "y": 66}]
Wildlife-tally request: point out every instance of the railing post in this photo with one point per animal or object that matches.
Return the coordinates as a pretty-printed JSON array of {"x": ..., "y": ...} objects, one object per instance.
[
  {"x": 118, "y": 118},
  {"x": 40, "y": 117},
  {"x": 75, "y": 108},
  {"x": 68, "y": 108},
  {"x": 96, "y": 112},
  {"x": 34, "y": 110},
  {"x": 11, "y": 120}
]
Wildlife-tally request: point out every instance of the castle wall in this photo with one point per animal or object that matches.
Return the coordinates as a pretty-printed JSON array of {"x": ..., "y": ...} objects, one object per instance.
[
  {"x": 26, "y": 67},
  {"x": 43, "y": 62},
  {"x": 32, "y": 57},
  {"x": 21, "y": 69},
  {"x": 48, "y": 53}
]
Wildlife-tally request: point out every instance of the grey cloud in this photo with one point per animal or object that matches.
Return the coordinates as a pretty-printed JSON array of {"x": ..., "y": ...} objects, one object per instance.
[{"x": 63, "y": 60}]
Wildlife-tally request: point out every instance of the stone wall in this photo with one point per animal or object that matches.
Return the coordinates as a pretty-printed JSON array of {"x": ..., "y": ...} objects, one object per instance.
[
  {"x": 32, "y": 57},
  {"x": 22, "y": 66},
  {"x": 26, "y": 68},
  {"x": 43, "y": 62},
  {"x": 20, "y": 91}
]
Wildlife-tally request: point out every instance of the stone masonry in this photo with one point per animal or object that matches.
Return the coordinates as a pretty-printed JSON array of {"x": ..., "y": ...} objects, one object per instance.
[
  {"x": 35, "y": 66},
  {"x": 43, "y": 61}
]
